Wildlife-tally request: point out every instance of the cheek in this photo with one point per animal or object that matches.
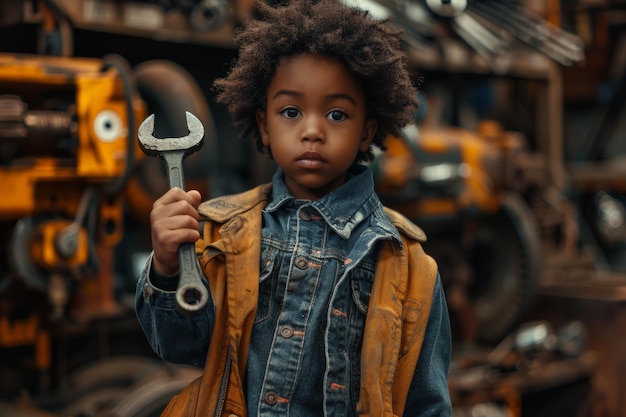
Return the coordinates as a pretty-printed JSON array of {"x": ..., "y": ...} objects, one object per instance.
[
  {"x": 281, "y": 156},
  {"x": 278, "y": 147}
]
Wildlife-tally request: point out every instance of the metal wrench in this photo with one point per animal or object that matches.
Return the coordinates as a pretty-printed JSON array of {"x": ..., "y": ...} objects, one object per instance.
[{"x": 191, "y": 293}]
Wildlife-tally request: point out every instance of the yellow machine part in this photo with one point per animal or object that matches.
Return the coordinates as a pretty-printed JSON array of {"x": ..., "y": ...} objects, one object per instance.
[
  {"x": 26, "y": 332},
  {"x": 43, "y": 247},
  {"x": 481, "y": 158},
  {"x": 100, "y": 128},
  {"x": 480, "y": 185}
]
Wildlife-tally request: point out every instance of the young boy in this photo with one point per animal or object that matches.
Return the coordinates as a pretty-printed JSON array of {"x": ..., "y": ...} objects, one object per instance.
[{"x": 322, "y": 301}]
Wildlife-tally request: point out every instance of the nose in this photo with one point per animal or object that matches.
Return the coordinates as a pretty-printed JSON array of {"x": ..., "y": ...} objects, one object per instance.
[{"x": 313, "y": 129}]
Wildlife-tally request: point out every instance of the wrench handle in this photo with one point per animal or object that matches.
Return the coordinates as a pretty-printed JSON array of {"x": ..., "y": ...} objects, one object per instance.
[
  {"x": 174, "y": 161},
  {"x": 191, "y": 293}
]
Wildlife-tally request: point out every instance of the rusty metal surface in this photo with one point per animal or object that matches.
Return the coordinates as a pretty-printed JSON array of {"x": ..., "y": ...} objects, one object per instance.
[
  {"x": 23, "y": 407},
  {"x": 153, "y": 20},
  {"x": 540, "y": 375},
  {"x": 605, "y": 287},
  {"x": 591, "y": 176},
  {"x": 604, "y": 315}
]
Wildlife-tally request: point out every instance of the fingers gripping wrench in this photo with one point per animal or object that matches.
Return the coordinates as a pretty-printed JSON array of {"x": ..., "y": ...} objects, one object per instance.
[{"x": 191, "y": 294}]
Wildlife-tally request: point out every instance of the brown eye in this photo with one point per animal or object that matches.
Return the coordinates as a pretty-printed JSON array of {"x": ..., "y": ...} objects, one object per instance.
[
  {"x": 290, "y": 113},
  {"x": 337, "y": 116}
]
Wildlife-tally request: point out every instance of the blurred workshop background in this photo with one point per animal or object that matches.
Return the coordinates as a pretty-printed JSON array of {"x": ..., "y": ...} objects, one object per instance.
[{"x": 515, "y": 167}]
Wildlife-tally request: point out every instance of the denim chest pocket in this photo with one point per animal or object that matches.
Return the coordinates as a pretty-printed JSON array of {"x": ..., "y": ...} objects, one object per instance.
[
  {"x": 361, "y": 285},
  {"x": 269, "y": 262},
  {"x": 361, "y": 290}
]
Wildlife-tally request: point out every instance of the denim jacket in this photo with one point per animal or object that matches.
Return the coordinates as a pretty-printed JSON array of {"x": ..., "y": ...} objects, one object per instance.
[{"x": 325, "y": 253}]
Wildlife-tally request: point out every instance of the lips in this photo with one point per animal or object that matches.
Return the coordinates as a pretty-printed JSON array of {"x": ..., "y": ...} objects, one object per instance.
[
  {"x": 312, "y": 156},
  {"x": 311, "y": 159}
]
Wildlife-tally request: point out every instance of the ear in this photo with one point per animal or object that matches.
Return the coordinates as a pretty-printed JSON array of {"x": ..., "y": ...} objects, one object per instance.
[
  {"x": 369, "y": 130},
  {"x": 261, "y": 122}
]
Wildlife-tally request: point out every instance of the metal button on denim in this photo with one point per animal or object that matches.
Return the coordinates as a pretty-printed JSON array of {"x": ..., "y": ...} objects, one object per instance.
[
  {"x": 146, "y": 291},
  {"x": 305, "y": 215},
  {"x": 286, "y": 332},
  {"x": 301, "y": 262},
  {"x": 270, "y": 398}
]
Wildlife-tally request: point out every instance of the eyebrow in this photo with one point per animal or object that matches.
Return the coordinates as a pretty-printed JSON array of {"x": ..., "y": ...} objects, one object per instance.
[{"x": 292, "y": 93}]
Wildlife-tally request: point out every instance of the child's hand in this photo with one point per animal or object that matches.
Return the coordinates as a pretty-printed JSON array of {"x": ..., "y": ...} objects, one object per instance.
[{"x": 173, "y": 220}]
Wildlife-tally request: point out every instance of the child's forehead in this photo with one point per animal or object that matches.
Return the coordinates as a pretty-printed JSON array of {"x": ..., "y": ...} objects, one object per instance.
[
  {"x": 316, "y": 74},
  {"x": 309, "y": 63},
  {"x": 304, "y": 59}
]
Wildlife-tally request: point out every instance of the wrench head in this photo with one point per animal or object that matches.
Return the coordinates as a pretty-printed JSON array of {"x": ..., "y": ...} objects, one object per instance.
[{"x": 157, "y": 146}]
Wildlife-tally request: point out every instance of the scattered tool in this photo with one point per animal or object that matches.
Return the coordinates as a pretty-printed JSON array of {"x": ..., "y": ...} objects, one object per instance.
[
  {"x": 191, "y": 293},
  {"x": 564, "y": 47}
]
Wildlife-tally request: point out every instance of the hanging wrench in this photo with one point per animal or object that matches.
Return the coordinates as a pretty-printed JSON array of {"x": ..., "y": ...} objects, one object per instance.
[{"x": 191, "y": 293}]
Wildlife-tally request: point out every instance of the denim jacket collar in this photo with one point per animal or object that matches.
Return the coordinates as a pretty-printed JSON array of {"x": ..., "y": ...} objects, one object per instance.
[{"x": 344, "y": 208}]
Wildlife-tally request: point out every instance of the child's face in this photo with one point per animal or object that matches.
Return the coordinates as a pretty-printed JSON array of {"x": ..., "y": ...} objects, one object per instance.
[{"x": 315, "y": 123}]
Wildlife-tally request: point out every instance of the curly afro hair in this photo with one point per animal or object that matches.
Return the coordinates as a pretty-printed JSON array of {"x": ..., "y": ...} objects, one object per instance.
[{"x": 369, "y": 47}]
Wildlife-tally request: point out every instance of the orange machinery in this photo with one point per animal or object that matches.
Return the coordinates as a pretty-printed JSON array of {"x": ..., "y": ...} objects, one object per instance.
[
  {"x": 75, "y": 187},
  {"x": 67, "y": 151},
  {"x": 467, "y": 190}
]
